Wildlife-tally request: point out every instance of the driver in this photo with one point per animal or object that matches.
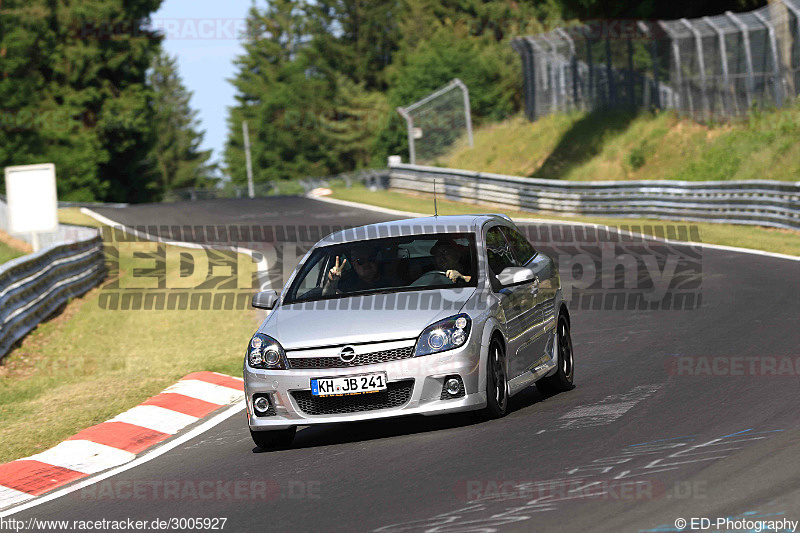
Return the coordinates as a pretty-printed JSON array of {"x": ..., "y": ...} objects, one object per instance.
[
  {"x": 365, "y": 265},
  {"x": 450, "y": 258}
]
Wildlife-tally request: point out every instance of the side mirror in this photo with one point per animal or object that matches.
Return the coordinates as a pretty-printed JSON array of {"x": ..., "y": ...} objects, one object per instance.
[
  {"x": 514, "y": 275},
  {"x": 265, "y": 299}
]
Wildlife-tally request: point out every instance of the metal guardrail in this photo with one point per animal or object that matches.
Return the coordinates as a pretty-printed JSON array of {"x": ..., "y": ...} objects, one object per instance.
[
  {"x": 32, "y": 287},
  {"x": 756, "y": 202}
]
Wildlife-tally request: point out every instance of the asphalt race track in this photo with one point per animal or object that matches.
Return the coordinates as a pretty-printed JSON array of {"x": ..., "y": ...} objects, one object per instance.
[{"x": 677, "y": 413}]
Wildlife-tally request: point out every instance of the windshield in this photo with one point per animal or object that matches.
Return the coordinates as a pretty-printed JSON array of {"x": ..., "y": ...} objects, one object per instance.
[{"x": 395, "y": 264}]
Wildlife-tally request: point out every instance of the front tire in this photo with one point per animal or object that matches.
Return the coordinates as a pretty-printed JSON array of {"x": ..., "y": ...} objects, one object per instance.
[
  {"x": 562, "y": 380},
  {"x": 267, "y": 440},
  {"x": 496, "y": 382}
]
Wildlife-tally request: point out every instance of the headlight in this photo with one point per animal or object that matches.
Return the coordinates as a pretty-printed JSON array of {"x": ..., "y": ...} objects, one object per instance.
[
  {"x": 265, "y": 352},
  {"x": 444, "y": 335}
]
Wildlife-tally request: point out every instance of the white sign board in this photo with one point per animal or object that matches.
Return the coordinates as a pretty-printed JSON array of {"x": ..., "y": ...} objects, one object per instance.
[
  {"x": 417, "y": 133},
  {"x": 32, "y": 200}
]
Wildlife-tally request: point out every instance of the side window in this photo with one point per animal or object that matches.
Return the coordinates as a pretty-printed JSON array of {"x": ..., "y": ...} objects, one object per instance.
[
  {"x": 522, "y": 249},
  {"x": 498, "y": 252}
]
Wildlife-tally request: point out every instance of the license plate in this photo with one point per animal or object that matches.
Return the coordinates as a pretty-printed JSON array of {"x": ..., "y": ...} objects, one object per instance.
[{"x": 348, "y": 385}]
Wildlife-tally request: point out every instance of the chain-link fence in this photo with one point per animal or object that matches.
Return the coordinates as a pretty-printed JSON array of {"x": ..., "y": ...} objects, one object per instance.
[
  {"x": 709, "y": 68},
  {"x": 437, "y": 121}
]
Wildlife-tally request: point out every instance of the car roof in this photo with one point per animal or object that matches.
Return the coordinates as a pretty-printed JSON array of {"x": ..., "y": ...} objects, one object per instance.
[{"x": 413, "y": 226}]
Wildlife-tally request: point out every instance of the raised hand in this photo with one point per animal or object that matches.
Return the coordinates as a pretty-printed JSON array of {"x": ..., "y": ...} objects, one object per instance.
[
  {"x": 454, "y": 275},
  {"x": 335, "y": 272}
]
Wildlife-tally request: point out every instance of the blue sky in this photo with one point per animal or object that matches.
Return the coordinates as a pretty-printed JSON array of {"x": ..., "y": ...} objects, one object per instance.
[{"x": 203, "y": 35}]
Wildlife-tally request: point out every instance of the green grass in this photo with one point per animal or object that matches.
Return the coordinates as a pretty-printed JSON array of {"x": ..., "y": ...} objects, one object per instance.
[
  {"x": 73, "y": 215},
  {"x": 7, "y": 253},
  {"x": 771, "y": 240},
  {"x": 626, "y": 146},
  {"x": 88, "y": 364}
]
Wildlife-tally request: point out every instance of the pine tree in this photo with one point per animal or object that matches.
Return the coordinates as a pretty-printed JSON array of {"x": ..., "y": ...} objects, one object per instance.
[
  {"x": 73, "y": 87},
  {"x": 176, "y": 155},
  {"x": 283, "y": 95}
]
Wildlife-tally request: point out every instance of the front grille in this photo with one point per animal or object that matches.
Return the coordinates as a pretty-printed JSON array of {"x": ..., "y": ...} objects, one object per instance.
[
  {"x": 396, "y": 394},
  {"x": 360, "y": 360}
]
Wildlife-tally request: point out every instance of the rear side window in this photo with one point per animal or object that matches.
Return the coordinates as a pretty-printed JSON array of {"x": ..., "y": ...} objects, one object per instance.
[
  {"x": 522, "y": 249},
  {"x": 498, "y": 253}
]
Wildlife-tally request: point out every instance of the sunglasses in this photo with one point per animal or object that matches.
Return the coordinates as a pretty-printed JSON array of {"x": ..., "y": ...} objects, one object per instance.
[{"x": 360, "y": 261}]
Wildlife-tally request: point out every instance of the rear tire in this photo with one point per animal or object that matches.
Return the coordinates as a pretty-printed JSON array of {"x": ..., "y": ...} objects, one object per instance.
[
  {"x": 562, "y": 380},
  {"x": 496, "y": 382},
  {"x": 280, "y": 438}
]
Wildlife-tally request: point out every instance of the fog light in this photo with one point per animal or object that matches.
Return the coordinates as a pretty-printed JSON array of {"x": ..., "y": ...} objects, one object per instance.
[
  {"x": 261, "y": 404},
  {"x": 452, "y": 386}
]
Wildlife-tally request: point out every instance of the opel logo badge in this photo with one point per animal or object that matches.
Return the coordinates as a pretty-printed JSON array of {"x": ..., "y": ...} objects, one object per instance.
[{"x": 347, "y": 354}]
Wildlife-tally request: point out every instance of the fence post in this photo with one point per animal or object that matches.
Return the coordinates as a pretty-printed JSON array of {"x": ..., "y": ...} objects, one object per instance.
[
  {"x": 676, "y": 54},
  {"x": 796, "y": 12},
  {"x": 748, "y": 56},
  {"x": 701, "y": 63},
  {"x": 551, "y": 73},
  {"x": 573, "y": 64},
  {"x": 412, "y": 155},
  {"x": 534, "y": 83},
  {"x": 773, "y": 44},
  {"x": 519, "y": 46},
  {"x": 467, "y": 110},
  {"x": 592, "y": 92},
  {"x": 723, "y": 52},
  {"x": 654, "y": 59},
  {"x": 631, "y": 96},
  {"x": 612, "y": 90}
]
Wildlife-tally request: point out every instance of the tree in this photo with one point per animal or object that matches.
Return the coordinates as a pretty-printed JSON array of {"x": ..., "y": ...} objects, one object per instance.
[
  {"x": 73, "y": 89},
  {"x": 176, "y": 156},
  {"x": 283, "y": 95}
]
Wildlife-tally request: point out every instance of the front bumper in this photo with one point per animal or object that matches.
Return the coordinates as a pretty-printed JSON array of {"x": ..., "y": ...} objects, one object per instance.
[{"x": 427, "y": 372}]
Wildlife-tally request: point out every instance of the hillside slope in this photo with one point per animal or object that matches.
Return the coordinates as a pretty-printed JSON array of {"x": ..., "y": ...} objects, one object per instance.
[{"x": 627, "y": 146}]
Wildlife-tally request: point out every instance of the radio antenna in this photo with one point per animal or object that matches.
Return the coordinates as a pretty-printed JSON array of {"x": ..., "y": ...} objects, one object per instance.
[{"x": 435, "y": 210}]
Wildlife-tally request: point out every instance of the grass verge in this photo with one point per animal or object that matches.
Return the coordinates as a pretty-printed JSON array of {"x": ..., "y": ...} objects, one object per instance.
[
  {"x": 758, "y": 238},
  {"x": 73, "y": 216},
  {"x": 621, "y": 145},
  {"x": 7, "y": 253},
  {"x": 89, "y": 364}
]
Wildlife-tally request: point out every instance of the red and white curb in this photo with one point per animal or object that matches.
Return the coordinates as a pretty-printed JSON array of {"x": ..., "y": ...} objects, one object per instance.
[{"x": 117, "y": 441}]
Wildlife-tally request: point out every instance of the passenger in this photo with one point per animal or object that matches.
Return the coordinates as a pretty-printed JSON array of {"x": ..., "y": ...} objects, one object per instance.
[
  {"x": 451, "y": 259},
  {"x": 368, "y": 274}
]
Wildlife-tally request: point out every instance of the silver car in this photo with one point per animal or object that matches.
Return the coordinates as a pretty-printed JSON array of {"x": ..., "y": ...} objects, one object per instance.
[{"x": 420, "y": 316}]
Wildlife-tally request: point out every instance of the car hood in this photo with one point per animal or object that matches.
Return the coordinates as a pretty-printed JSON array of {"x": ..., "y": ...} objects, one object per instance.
[{"x": 357, "y": 319}]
